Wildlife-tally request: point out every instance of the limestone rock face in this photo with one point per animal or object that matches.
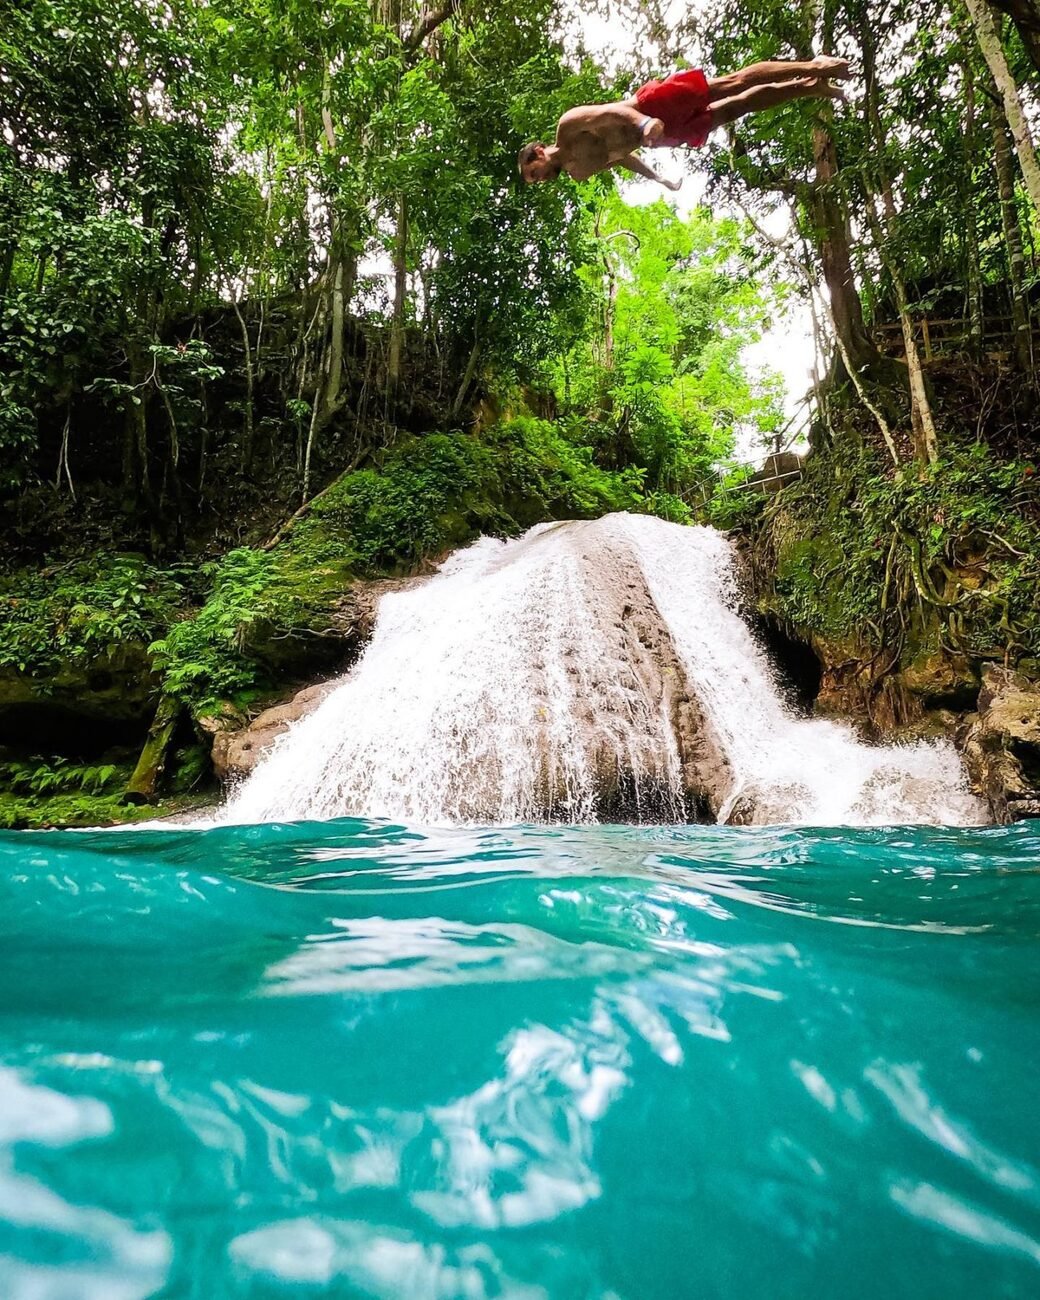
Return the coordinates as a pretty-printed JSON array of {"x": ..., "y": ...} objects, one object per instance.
[
  {"x": 635, "y": 652},
  {"x": 337, "y": 633},
  {"x": 941, "y": 678},
  {"x": 591, "y": 670},
  {"x": 238, "y": 743},
  {"x": 237, "y": 752},
  {"x": 1001, "y": 744},
  {"x": 778, "y": 470}
]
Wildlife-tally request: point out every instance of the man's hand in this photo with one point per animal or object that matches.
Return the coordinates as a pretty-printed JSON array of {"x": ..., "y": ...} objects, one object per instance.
[{"x": 634, "y": 164}]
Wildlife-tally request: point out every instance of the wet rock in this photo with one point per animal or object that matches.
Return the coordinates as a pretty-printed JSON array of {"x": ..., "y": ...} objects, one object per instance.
[
  {"x": 237, "y": 752},
  {"x": 224, "y": 717},
  {"x": 560, "y": 695},
  {"x": 332, "y": 636},
  {"x": 760, "y": 805},
  {"x": 941, "y": 679},
  {"x": 238, "y": 743},
  {"x": 1001, "y": 744},
  {"x": 657, "y": 674}
]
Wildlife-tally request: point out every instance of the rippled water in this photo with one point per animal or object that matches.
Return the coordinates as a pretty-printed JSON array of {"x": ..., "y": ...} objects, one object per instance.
[{"x": 350, "y": 1059}]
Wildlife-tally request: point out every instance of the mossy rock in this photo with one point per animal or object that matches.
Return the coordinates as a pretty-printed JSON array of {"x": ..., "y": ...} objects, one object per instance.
[
  {"x": 942, "y": 680},
  {"x": 83, "y": 706}
]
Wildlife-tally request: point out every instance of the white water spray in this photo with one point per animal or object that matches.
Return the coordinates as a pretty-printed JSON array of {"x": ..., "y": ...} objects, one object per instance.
[{"x": 563, "y": 675}]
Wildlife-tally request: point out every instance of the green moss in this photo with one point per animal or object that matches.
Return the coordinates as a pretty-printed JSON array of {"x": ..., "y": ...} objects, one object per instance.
[
  {"x": 269, "y": 616},
  {"x": 926, "y": 558},
  {"x": 441, "y": 490},
  {"x": 808, "y": 586},
  {"x": 21, "y": 812},
  {"x": 255, "y": 598}
]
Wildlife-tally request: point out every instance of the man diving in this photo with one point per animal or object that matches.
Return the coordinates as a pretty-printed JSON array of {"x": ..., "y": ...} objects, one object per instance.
[{"x": 681, "y": 110}]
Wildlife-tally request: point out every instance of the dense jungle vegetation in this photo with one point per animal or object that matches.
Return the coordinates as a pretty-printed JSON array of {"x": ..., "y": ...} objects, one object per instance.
[{"x": 276, "y": 313}]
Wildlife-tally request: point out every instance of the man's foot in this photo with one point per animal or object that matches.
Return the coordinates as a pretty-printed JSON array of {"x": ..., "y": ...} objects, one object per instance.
[
  {"x": 830, "y": 66},
  {"x": 818, "y": 88}
]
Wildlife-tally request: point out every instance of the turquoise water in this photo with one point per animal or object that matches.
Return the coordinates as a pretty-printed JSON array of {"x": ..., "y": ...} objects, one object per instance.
[{"x": 350, "y": 1059}]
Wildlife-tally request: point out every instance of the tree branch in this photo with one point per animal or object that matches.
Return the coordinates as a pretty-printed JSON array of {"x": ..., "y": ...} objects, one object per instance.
[
  {"x": 758, "y": 176},
  {"x": 429, "y": 22}
]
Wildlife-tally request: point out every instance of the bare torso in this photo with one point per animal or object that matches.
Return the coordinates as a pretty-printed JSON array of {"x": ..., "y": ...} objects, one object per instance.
[{"x": 596, "y": 136}]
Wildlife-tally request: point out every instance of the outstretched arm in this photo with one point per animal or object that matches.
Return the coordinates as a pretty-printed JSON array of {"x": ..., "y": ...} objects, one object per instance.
[{"x": 634, "y": 164}]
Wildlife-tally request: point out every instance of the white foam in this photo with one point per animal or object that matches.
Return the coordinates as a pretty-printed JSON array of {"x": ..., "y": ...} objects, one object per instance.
[{"x": 500, "y": 691}]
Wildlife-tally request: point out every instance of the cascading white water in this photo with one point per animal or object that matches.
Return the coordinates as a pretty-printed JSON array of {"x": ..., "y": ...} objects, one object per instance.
[
  {"x": 786, "y": 768},
  {"x": 546, "y": 677}
]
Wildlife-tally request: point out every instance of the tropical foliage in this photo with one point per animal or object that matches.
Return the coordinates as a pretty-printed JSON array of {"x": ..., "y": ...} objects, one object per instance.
[
  {"x": 276, "y": 313},
  {"x": 202, "y": 205},
  {"x": 910, "y": 204}
]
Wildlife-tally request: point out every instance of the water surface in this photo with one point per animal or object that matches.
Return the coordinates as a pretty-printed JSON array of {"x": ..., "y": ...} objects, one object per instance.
[{"x": 354, "y": 1059}]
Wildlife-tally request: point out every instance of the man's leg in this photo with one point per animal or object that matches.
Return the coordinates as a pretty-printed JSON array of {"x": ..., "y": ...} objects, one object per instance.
[
  {"x": 760, "y": 97},
  {"x": 772, "y": 73}
]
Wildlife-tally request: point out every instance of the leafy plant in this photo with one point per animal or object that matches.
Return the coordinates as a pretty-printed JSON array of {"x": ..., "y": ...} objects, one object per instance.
[
  {"x": 83, "y": 610},
  {"x": 42, "y": 776}
]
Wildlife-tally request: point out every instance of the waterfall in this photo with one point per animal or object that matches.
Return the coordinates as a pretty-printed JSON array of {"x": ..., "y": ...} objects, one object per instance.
[{"x": 589, "y": 669}]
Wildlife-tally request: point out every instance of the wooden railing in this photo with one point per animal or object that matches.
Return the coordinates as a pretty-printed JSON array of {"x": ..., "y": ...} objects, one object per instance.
[
  {"x": 937, "y": 337},
  {"x": 762, "y": 481}
]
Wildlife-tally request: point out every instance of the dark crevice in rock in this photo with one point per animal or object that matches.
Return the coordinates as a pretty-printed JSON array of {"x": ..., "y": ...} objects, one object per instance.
[
  {"x": 797, "y": 667},
  {"x": 1028, "y": 756},
  {"x": 39, "y": 727},
  {"x": 648, "y": 803}
]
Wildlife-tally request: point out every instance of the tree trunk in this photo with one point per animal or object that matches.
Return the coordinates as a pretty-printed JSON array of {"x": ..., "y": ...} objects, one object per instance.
[
  {"x": 988, "y": 33},
  {"x": 144, "y": 783},
  {"x": 316, "y": 421},
  {"x": 884, "y": 232},
  {"x": 973, "y": 267},
  {"x": 825, "y": 204},
  {"x": 63, "y": 453},
  {"x": 1005, "y": 169},
  {"x": 400, "y": 288},
  {"x": 137, "y": 478},
  {"x": 6, "y": 267},
  {"x": 864, "y": 396},
  {"x": 247, "y": 353},
  {"x": 833, "y": 240},
  {"x": 612, "y": 291},
  {"x": 428, "y": 23},
  {"x": 336, "y": 342},
  {"x": 926, "y": 442},
  {"x": 467, "y": 378},
  {"x": 1025, "y": 14},
  {"x": 608, "y": 324}
]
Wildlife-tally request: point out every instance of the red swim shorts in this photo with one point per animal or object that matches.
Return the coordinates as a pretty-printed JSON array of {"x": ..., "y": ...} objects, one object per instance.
[{"x": 681, "y": 102}]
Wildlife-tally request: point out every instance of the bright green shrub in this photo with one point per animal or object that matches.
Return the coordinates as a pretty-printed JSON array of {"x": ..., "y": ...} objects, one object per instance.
[{"x": 82, "y": 610}]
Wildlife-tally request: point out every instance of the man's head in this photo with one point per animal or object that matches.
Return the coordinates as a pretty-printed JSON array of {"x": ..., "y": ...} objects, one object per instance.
[{"x": 535, "y": 165}]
